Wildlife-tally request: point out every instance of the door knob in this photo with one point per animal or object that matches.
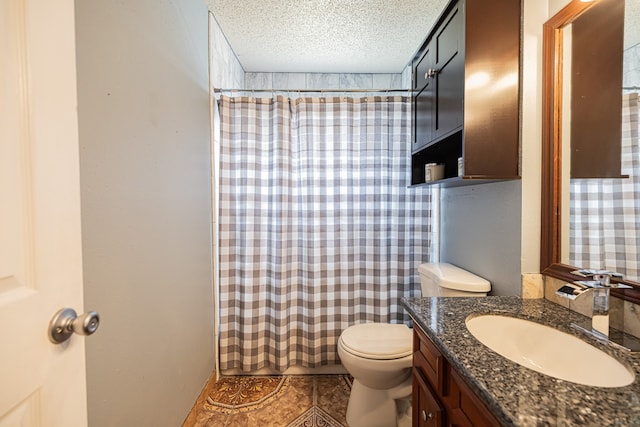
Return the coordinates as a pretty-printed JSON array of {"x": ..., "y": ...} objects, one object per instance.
[{"x": 65, "y": 322}]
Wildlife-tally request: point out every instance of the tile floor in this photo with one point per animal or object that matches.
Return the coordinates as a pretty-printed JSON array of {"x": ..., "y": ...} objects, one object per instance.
[{"x": 287, "y": 401}]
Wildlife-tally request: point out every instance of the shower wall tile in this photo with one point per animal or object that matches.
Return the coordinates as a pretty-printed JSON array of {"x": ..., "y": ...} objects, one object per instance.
[
  {"x": 237, "y": 75},
  {"x": 356, "y": 81},
  {"x": 387, "y": 81},
  {"x": 258, "y": 81},
  {"x": 226, "y": 70},
  {"x": 406, "y": 77},
  {"x": 219, "y": 58},
  {"x": 380, "y": 81},
  {"x": 323, "y": 81},
  {"x": 631, "y": 67},
  {"x": 289, "y": 80},
  {"x": 396, "y": 81}
]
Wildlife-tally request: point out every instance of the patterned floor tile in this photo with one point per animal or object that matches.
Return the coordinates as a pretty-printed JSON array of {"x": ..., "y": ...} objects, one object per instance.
[{"x": 279, "y": 401}]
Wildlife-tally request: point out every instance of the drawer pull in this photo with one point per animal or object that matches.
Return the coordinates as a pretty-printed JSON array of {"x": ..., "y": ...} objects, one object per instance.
[{"x": 426, "y": 416}]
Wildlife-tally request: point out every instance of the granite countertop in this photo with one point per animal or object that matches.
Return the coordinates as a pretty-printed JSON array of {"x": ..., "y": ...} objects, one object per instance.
[{"x": 516, "y": 395}]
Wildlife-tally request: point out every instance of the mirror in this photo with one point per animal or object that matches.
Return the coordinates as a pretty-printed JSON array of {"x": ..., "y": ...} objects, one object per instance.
[{"x": 565, "y": 155}]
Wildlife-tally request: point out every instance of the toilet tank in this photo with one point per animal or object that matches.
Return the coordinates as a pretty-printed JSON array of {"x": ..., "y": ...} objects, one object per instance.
[{"x": 443, "y": 279}]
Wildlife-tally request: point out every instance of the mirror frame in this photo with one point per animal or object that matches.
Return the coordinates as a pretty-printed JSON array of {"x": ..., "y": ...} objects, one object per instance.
[{"x": 552, "y": 51}]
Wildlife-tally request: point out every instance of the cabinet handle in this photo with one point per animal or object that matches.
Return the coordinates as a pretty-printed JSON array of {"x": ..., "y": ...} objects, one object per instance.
[
  {"x": 426, "y": 416},
  {"x": 431, "y": 73}
]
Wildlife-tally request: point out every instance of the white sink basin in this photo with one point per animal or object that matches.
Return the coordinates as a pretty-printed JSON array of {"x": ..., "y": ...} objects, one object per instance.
[{"x": 549, "y": 351}]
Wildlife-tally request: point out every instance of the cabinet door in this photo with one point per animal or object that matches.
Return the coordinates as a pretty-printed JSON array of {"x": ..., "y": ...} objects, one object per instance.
[
  {"x": 427, "y": 411},
  {"x": 422, "y": 69},
  {"x": 439, "y": 83},
  {"x": 457, "y": 418},
  {"x": 424, "y": 101},
  {"x": 449, "y": 66},
  {"x": 464, "y": 409}
]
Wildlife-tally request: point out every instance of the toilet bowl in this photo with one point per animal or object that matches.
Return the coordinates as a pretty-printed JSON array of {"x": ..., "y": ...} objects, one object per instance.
[{"x": 379, "y": 356}]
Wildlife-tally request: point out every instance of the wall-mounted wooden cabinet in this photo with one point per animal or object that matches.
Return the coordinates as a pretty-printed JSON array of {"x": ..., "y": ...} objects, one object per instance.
[
  {"x": 438, "y": 73},
  {"x": 465, "y": 92}
]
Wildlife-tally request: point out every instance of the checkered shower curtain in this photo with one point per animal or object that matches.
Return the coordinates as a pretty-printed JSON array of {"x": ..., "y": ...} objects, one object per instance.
[
  {"x": 318, "y": 229},
  {"x": 604, "y": 230}
]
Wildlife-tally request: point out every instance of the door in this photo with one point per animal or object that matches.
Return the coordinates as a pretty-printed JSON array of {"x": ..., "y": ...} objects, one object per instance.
[
  {"x": 424, "y": 107},
  {"x": 424, "y": 101},
  {"x": 43, "y": 384},
  {"x": 449, "y": 63}
]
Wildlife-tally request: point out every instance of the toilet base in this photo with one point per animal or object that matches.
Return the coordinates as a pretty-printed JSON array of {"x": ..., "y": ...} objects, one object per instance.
[{"x": 375, "y": 408}]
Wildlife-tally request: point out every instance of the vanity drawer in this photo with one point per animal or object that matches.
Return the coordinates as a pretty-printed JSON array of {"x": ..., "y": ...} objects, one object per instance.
[{"x": 428, "y": 359}]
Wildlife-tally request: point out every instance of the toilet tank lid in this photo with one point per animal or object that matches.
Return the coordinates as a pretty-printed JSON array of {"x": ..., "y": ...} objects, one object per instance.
[{"x": 451, "y": 277}]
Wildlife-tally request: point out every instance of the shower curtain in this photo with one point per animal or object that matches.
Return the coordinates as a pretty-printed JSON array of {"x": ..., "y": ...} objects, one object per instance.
[
  {"x": 605, "y": 212},
  {"x": 318, "y": 229}
]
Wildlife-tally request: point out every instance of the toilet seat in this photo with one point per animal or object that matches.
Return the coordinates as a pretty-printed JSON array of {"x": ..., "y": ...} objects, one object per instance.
[{"x": 378, "y": 341}]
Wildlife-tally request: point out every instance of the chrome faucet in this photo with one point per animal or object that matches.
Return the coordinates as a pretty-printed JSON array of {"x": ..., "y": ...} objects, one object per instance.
[{"x": 600, "y": 287}]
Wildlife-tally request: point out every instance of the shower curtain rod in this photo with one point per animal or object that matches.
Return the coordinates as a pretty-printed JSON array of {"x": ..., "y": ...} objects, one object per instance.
[
  {"x": 216, "y": 89},
  {"x": 631, "y": 88}
]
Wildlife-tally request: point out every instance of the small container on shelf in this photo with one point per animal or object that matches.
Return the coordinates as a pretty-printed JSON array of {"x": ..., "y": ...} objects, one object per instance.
[
  {"x": 428, "y": 172},
  {"x": 460, "y": 166},
  {"x": 433, "y": 172}
]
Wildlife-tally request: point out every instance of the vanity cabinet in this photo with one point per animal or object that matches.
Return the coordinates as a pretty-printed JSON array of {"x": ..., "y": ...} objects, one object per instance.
[
  {"x": 440, "y": 395},
  {"x": 465, "y": 94}
]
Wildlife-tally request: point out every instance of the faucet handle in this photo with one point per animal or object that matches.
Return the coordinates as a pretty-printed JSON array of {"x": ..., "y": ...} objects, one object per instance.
[
  {"x": 600, "y": 278},
  {"x": 603, "y": 280},
  {"x": 586, "y": 272}
]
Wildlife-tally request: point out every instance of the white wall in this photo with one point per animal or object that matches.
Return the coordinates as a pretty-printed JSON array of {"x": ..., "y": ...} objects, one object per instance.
[
  {"x": 146, "y": 207},
  {"x": 480, "y": 232}
]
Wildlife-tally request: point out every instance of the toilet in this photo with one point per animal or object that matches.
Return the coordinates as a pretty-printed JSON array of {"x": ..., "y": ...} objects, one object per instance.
[
  {"x": 379, "y": 355},
  {"x": 447, "y": 280}
]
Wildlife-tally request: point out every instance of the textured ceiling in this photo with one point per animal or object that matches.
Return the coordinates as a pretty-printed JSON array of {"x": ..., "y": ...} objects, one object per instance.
[{"x": 325, "y": 36}]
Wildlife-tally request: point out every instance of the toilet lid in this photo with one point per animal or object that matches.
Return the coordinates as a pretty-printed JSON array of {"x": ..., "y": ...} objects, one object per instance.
[{"x": 380, "y": 341}]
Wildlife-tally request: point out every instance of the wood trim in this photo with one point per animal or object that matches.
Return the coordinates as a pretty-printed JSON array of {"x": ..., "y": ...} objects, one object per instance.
[
  {"x": 551, "y": 135},
  {"x": 206, "y": 390},
  {"x": 550, "y": 262}
]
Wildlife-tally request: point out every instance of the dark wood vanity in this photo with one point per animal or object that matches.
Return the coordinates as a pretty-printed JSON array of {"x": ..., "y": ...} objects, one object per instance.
[
  {"x": 440, "y": 396},
  {"x": 458, "y": 381}
]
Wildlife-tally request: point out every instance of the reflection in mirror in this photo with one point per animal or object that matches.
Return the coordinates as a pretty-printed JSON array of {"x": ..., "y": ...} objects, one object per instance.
[
  {"x": 601, "y": 229},
  {"x": 556, "y": 175}
]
